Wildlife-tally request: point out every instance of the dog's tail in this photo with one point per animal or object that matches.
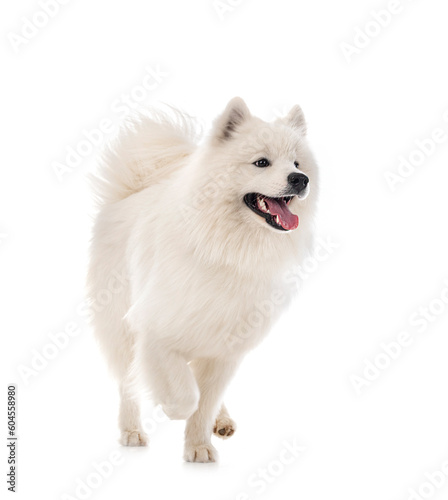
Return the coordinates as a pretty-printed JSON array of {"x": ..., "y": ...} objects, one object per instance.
[{"x": 148, "y": 148}]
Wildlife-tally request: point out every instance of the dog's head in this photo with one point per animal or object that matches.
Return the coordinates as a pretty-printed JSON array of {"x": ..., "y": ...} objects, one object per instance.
[{"x": 266, "y": 169}]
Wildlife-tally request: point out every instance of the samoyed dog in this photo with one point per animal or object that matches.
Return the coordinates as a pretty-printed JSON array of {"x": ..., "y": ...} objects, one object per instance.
[{"x": 200, "y": 233}]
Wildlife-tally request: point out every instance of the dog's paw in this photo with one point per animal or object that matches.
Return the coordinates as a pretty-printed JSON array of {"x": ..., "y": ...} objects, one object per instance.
[
  {"x": 134, "y": 438},
  {"x": 224, "y": 427},
  {"x": 202, "y": 453}
]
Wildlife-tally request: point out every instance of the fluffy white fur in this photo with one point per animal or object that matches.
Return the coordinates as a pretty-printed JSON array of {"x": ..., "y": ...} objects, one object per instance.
[{"x": 194, "y": 261}]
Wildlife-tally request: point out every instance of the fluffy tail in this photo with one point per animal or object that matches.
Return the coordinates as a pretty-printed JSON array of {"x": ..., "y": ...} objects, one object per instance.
[{"x": 147, "y": 149}]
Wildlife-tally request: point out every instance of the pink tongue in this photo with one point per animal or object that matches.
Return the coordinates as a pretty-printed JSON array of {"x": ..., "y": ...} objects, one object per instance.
[{"x": 279, "y": 207}]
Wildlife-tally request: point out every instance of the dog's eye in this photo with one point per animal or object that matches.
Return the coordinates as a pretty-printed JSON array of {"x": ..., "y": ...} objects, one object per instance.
[
  {"x": 296, "y": 164},
  {"x": 262, "y": 162}
]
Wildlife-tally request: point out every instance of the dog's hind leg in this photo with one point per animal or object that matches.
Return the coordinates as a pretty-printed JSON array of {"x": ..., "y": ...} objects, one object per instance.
[
  {"x": 132, "y": 433},
  {"x": 119, "y": 351},
  {"x": 224, "y": 425},
  {"x": 129, "y": 422}
]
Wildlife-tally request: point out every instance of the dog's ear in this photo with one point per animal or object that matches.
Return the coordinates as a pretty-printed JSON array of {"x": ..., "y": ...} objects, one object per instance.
[
  {"x": 296, "y": 119},
  {"x": 234, "y": 115}
]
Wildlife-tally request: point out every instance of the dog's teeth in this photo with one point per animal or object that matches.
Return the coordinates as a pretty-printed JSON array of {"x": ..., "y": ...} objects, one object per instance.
[{"x": 262, "y": 204}]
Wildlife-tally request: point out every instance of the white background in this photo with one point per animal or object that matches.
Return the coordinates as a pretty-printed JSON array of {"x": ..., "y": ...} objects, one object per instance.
[{"x": 390, "y": 260}]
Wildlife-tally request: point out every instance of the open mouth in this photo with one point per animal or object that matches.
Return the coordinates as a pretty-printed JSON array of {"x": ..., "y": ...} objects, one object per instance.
[{"x": 274, "y": 210}]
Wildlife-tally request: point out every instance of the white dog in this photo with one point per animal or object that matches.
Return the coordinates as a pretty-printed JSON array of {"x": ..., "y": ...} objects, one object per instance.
[{"x": 202, "y": 237}]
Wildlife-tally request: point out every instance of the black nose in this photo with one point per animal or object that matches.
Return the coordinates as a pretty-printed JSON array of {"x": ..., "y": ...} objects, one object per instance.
[{"x": 298, "y": 181}]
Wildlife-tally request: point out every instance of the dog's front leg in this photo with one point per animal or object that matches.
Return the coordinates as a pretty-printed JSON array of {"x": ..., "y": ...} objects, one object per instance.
[
  {"x": 171, "y": 381},
  {"x": 212, "y": 376}
]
